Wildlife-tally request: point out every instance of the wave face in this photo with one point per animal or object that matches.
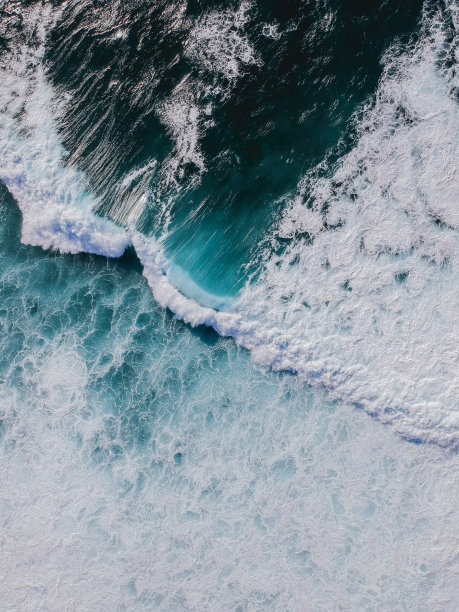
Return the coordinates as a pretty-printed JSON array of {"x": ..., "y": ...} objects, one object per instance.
[
  {"x": 193, "y": 121},
  {"x": 283, "y": 191}
]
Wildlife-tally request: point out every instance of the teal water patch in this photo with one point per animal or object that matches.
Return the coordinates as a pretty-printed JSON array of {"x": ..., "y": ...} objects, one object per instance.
[{"x": 146, "y": 465}]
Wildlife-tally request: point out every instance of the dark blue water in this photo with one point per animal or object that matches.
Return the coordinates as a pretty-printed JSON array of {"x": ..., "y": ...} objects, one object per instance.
[{"x": 258, "y": 131}]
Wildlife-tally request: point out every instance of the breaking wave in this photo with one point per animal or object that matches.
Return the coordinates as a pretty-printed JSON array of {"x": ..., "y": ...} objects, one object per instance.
[{"x": 358, "y": 284}]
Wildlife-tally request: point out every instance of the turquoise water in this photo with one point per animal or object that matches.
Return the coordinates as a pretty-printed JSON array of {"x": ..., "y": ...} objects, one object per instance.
[
  {"x": 228, "y": 315},
  {"x": 148, "y": 465}
]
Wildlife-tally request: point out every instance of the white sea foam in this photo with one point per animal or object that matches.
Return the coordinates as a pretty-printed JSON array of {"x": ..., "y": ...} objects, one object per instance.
[
  {"x": 144, "y": 468},
  {"x": 164, "y": 291},
  {"x": 137, "y": 173},
  {"x": 217, "y": 42},
  {"x": 182, "y": 117},
  {"x": 56, "y": 208},
  {"x": 271, "y": 30},
  {"x": 363, "y": 300},
  {"x": 132, "y": 194},
  {"x": 224, "y": 504}
]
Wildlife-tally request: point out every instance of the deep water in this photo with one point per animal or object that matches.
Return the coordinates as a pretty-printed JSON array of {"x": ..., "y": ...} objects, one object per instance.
[{"x": 224, "y": 134}]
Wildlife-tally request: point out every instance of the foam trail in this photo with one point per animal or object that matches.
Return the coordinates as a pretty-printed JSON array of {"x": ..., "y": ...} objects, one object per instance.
[
  {"x": 133, "y": 193},
  {"x": 57, "y": 210},
  {"x": 181, "y": 115},
  {"x": 217, "y": 46},
  {"x": 216, "y": 42}
]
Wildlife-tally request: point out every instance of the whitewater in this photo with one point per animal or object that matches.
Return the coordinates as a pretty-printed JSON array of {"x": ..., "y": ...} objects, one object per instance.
[{"x": 246, "y": 487}]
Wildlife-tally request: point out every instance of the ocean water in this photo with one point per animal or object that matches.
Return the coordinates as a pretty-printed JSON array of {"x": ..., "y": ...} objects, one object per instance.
[{"x": 228, "y": 316}]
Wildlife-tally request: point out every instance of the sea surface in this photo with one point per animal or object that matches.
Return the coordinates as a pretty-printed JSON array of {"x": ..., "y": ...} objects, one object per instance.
[{"x": 229, "y": 305}]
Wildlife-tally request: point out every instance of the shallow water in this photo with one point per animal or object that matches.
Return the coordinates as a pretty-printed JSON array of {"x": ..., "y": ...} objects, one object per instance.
[{"x": 147, "y": 465}]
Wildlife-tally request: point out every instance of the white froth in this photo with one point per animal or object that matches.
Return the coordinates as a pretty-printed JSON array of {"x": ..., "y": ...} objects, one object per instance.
[
  {"x": 182, "y": 117},
  {"x": 165, "y": 293},
  {"x": 217, "y": 42},
  {"x": 364, "y": 298},
  {"x": 247, "y": 490},
  {"x": 271, "y": 30},
  {"x": 56, "y": 209}
]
